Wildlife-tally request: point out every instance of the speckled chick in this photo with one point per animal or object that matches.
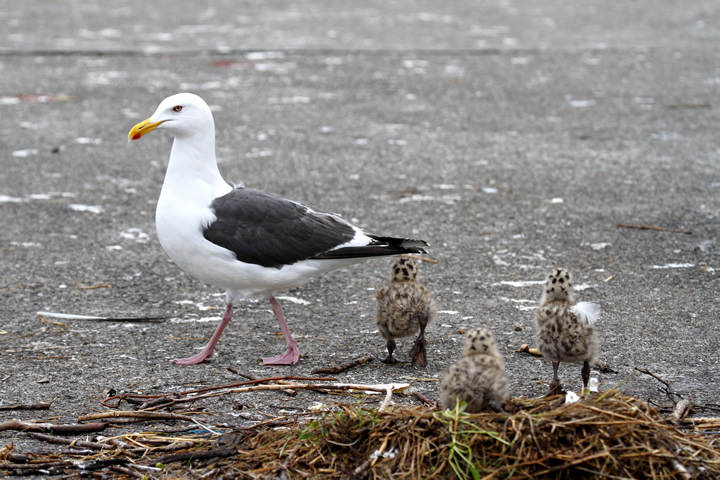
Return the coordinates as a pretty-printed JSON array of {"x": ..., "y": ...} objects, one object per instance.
[
  {"x": 404, "y": 307},
  {"x": 478, "y": 377},
  {"x": 564, "y": 330}
]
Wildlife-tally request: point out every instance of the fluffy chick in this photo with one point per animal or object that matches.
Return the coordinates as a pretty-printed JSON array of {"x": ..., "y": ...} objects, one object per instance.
[
  {"x": 404, "y": 307},
  {"x": 565, "y": 331},
  {"x": 478, "y": 377}
]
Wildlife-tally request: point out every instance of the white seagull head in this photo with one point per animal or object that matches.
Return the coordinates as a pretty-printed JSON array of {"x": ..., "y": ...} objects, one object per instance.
[{"x": 181, "y": 115}]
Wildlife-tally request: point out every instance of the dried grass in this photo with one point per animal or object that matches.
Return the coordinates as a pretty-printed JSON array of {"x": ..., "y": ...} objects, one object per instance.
[{"x": 608, "y": 435}]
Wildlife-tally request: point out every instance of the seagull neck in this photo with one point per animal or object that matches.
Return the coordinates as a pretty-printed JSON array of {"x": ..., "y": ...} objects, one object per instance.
[{"x": 193, "y": 159}]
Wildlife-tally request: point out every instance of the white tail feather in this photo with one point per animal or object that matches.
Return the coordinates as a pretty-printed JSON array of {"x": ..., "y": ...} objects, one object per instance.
[{"x": 587, "y": 312}]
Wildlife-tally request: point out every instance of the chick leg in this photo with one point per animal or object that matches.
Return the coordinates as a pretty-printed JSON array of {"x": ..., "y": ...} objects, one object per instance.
[
  {"x": 417, "y": 354},
  {"x": 496, "y": 406},
  {"x": 390, "y": 349},
  {"x": 585, "y": 372},
  {"x": 555, "y": 386}
]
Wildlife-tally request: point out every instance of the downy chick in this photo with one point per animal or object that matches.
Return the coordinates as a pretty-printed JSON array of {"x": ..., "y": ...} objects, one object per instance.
[
  {"x": 478, "y": 377},
  {"x": 404, "y": 307},
  {"x": 565, "y": 331}
]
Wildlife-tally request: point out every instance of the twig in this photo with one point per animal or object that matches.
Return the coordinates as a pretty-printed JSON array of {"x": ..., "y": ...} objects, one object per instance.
[
  {"x": 361, "y": 468},
  {"x": 344, "y": 366},
  {"x": 205, "y": 427},
  {"x": 51, "y": 427},
  {"x": 386, "y": 401},
  {"x": 155, "y": 402},
  {"x": 257, "y": 380},
  {"x": 242, "y": 374},
  {"x": 69, "y": 441},
  {"x": 46, "y": 468},
  {"x": 678, "y": 106},
  {"x": 128, "y": 471},
  {"x": 422, "y": 379},
  {"x": 426, "y": 400},
  {"x": 380, "y": 388},
  {"x": 421, "y": 258},
  {"x": 666, "y": 389},
  {"x": 648, "y": 372},
  {"x": 184, "y": 456},
  {"x": 72, "y": 316},
  {"x": 22, "y": 406},
  {"x": 135, "y": 414},
  {"x": 93, "y": 287},
  {"x": 650, "y": 227}
]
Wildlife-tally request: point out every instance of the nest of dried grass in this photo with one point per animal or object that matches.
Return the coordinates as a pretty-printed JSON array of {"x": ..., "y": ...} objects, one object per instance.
[{"x": 608, "y": 436}]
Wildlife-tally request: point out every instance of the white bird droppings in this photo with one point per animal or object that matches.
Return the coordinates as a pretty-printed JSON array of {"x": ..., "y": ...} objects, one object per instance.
[{"x": 79, "y": 207}]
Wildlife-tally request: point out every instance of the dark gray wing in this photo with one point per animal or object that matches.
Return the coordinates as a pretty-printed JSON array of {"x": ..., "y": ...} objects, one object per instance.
[
  {"x": 378, "y": 246},
  {"x": 272, "y": 231}
]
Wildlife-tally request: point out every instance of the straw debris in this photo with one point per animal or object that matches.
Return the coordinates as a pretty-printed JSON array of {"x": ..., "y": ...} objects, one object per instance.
[{"x": 608, "y": 435}]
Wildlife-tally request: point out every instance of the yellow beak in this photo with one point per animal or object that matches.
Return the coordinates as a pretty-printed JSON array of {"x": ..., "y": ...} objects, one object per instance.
[{"x": 142, "y": 128}]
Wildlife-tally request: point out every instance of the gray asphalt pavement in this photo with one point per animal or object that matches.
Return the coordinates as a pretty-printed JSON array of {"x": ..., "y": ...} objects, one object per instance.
[{"x": 513, "y": 137}]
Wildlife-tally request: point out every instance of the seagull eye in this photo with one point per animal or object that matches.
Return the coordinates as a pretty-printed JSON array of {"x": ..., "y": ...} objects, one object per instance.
[{"x": 177, "y": 108}]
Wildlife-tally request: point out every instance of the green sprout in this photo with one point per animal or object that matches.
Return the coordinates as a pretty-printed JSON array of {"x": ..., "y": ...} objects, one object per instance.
[{"x": 460, "y": 428}]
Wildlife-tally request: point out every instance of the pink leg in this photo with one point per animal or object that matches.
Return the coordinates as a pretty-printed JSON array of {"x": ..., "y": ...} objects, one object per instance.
[
  {"x": 210, "y": 347},
  {"x": 292, "y": 354}
]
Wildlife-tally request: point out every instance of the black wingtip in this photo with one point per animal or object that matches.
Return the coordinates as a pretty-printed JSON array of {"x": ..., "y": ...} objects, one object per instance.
[
  {"x": 416, "y": 246},
  {"x": 402, "y": 245},
  {"x": 380, "y": 246}
]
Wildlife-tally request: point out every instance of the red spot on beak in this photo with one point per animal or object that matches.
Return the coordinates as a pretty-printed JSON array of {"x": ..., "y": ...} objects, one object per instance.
[{"x": 136, "y": 136}]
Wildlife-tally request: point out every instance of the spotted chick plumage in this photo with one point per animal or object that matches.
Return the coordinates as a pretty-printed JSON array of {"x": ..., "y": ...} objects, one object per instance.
[
  {"x": 565, "y": 331},
  {"x": 478, "y": 377},
  {"x": 405, "y": 307}
]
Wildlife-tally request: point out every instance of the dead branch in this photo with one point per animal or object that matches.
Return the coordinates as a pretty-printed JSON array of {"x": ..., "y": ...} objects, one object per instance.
[
  {"x": 430, "y": 403},
  {"x": 136, "y": 414},
  {"x": 189, "y": 456},
  {"x": 419, "y": 257},
  {"x": 130, "y": 398},
  {"x": 69, "y": 441},
  {"x": 344, "y": 366},
  {"x": 257, "y": 380},
  {"x": 51, "y": 427},
  {"x": 25, "y": 406},
  {"x": 670, "y": 394},
  {"x": 128, "y": 471},
  {"x": 386, "y": 401},
  {"x": 45, "y": 468},
  {"x": 73, "y": 316},
  {"x": 93, "y": 287},
  {"x": 242, "y": 374},
  {"x": 679, "y": 106},
  {"x": 658, "y": 229},
  {"x": 290, "y": 393}
]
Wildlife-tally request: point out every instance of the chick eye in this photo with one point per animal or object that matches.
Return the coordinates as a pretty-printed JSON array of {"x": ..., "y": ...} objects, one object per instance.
[{"x": 177, "y": 108}]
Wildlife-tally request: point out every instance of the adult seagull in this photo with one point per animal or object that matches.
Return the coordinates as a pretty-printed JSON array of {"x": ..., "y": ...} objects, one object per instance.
[{"x": 245, "y": 241}]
